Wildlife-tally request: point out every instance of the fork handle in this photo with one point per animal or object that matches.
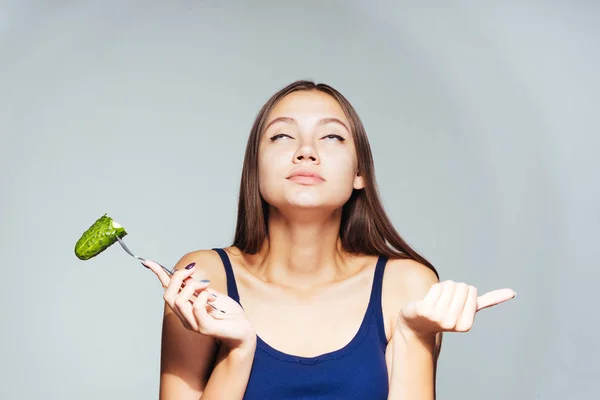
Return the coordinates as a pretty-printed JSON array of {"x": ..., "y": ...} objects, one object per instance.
[
  {"x": 170, "y": 273},
  {"x": 167, "y": 270}
]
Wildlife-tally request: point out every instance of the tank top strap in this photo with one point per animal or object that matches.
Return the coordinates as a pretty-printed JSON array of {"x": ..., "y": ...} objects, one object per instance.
[
  {"x": 232, "y": 290},
  {"x": 378, "y": 281},
  {"x": 375, "y": 302}
]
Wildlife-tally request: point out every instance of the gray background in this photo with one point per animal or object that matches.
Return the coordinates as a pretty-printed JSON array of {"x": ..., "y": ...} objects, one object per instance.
[{"x": 483, "y": 120}]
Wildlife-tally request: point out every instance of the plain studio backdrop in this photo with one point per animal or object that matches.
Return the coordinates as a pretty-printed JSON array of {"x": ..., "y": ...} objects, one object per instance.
[{"x": 483, "y": 120}]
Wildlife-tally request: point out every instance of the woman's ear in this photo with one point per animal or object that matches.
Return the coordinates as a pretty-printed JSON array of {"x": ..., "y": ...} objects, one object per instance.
[{"x": 359, "y": 182}]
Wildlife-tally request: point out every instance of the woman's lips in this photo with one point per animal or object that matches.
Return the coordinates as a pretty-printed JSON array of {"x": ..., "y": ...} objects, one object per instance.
[{"x": 303, "y": 176}]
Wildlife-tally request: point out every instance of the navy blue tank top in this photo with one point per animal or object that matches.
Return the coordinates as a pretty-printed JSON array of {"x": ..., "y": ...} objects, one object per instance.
[{"x": 356, "y": 371}]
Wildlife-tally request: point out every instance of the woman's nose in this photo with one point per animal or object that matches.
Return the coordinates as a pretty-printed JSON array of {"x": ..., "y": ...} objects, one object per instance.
[{"x": 306, "y": 152}]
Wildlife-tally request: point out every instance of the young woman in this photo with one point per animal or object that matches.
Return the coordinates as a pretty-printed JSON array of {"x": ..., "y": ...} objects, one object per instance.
[{"x": 320, "y": 296}]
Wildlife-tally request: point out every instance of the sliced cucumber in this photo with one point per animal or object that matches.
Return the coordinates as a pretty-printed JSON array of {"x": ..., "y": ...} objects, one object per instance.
[{"x": 100, "y": 236}]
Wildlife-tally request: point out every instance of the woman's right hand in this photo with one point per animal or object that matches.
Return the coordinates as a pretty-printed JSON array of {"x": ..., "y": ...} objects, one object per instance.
[{"x": 188, "y": 298}]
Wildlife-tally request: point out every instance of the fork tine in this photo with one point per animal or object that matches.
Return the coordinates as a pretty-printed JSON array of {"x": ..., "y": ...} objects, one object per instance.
[{"x": 122, "y": 243}]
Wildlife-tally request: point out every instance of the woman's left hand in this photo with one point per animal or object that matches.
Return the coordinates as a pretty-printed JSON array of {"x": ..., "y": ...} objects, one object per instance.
[{"x": 448, "y": 307}]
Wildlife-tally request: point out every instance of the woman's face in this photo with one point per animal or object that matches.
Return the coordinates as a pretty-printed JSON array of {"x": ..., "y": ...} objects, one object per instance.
[{"x": 307, "y": 156}]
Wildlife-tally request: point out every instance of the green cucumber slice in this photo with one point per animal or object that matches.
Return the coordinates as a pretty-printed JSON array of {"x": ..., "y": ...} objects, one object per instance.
[{"x": 100, "y": 236}]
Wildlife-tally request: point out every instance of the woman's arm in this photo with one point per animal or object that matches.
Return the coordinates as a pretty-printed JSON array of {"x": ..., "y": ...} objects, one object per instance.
[
  {"x": 428, "y": 309},
  {"x": 231, "y": 373},
  {"x": 194, "y": 367},
  {"x": 202, "y": 356},
  {"x": 412, "y": 359},
  {"x": 413, "y": 368},
  {"x": 186, "y": 361}
]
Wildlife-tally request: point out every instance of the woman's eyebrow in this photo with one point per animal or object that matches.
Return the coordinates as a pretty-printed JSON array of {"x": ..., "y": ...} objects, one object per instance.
[{"x": 322, "y": 121}]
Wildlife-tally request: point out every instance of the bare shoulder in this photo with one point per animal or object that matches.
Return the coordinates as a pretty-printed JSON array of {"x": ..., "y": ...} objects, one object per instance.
[
  {"x": 408, "y": 279},
  {"x": 405, "y": 280},
  {"x": 208, "y": 266}
]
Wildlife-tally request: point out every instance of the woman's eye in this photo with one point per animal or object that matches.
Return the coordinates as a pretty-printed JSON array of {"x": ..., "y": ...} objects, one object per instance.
[
  {"x": 334, "y": 136},
  {"x": 279, "y": 136}
]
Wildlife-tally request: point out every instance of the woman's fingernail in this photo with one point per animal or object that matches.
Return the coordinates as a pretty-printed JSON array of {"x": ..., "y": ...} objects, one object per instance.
[
  {"x": 205, "y": 281},
  {"x": 212, "y": 297},
  {"x": 145, "y": 265},
  {"x": 190, "y": 266}
]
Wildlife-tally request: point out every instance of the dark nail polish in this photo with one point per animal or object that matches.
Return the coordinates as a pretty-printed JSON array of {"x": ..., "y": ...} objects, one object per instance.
[
  {"x": 205, "y": 280},
  {"x": 190, "y": 266},
  {"x": 145, "y": 265}
]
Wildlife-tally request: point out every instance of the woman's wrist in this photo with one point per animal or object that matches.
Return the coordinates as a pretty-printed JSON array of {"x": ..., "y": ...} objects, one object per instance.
[
  {"x": 230, "y": 376},
  {"x": 410, "y": 337},
  {"x": 243, "y": 347}
]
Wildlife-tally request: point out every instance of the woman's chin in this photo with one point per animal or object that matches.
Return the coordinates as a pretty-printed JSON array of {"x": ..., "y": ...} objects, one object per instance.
[
  {"x": 303, "y": 200},
  {"x": 307, "y": 204}
]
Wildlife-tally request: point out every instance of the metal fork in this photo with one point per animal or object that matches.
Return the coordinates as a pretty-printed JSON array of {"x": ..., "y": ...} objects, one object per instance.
[{"x": 168, "y": 271}]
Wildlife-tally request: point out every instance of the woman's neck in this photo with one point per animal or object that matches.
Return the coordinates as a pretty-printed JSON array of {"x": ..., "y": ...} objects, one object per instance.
[{"x": 302, "y": 253}]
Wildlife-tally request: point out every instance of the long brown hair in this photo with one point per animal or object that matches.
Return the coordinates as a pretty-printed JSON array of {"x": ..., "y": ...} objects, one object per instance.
[{"x": 365, "y": 226}]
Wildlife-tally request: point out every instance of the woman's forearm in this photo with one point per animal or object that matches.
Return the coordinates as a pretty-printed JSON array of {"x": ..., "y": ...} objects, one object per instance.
[
  {"x": 230, "y": 375},
  {"x": 413, "y": 368}
]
